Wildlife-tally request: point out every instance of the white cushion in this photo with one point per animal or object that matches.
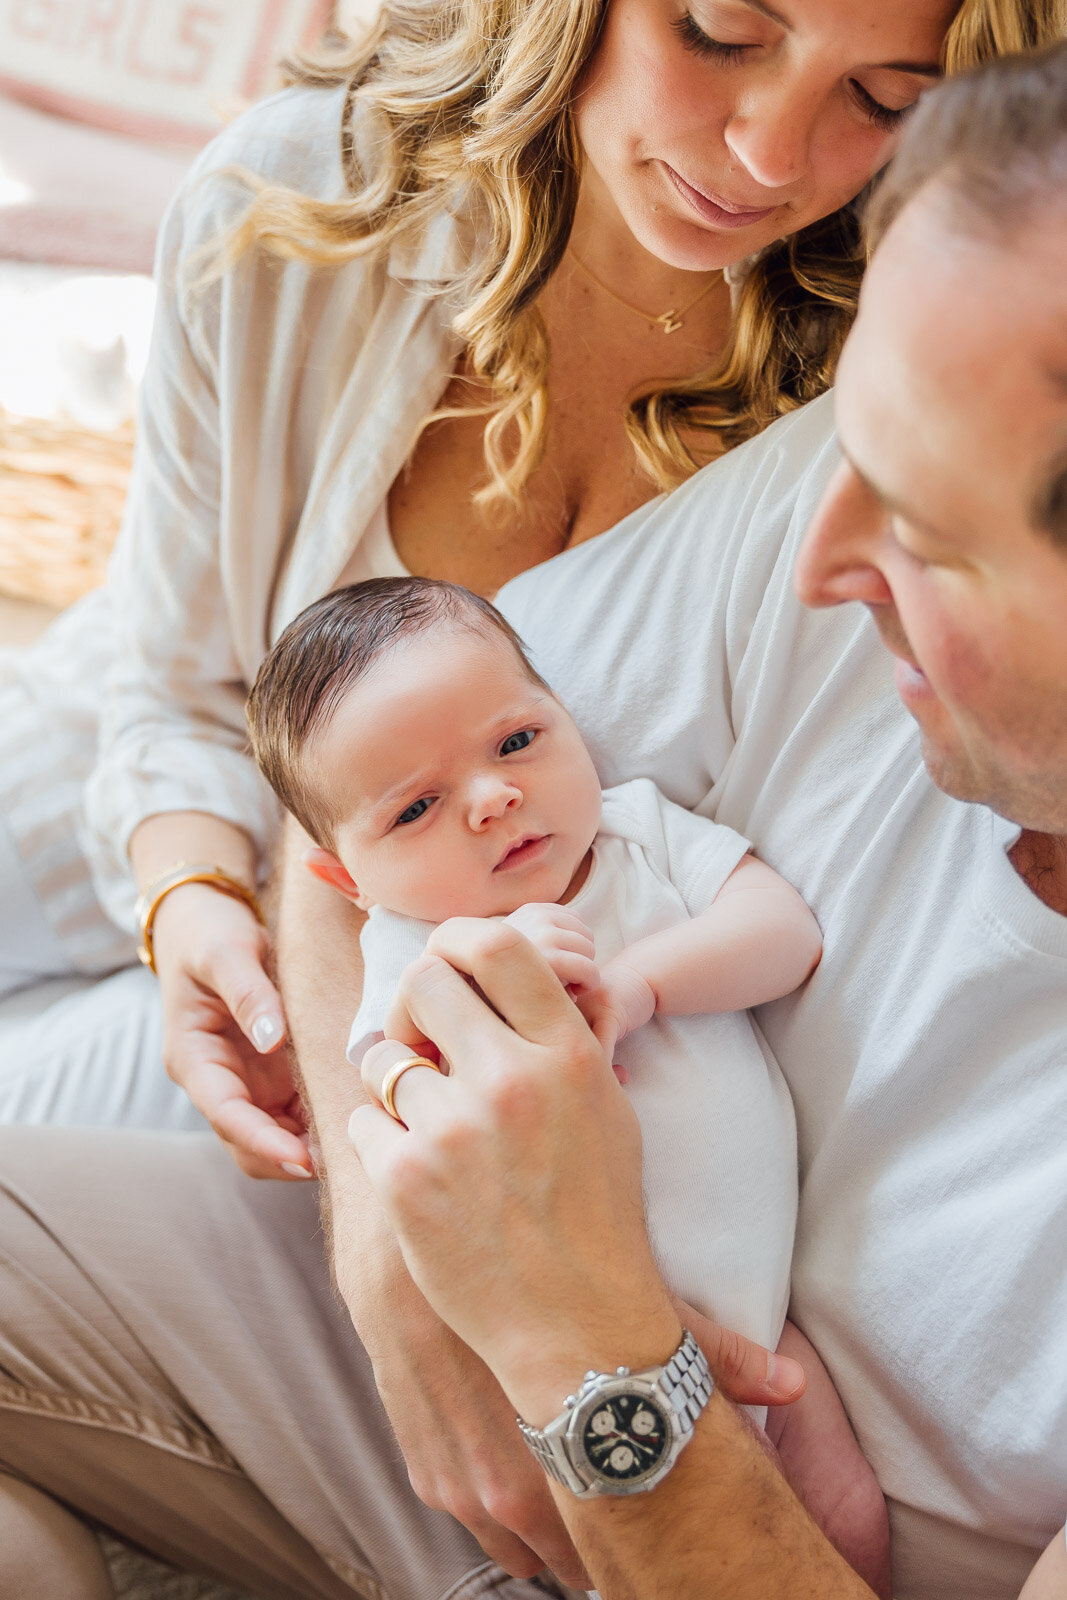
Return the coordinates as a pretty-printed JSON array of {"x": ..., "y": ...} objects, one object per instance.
[
  {"x": 80, "y": 196},
  {"x": 151, "y": 69}
]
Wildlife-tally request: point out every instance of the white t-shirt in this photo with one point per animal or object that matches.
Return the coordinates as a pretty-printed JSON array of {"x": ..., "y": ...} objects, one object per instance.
[
  {"x": 719, "y": 1139},
  {"x": 927, "y": 1055}
]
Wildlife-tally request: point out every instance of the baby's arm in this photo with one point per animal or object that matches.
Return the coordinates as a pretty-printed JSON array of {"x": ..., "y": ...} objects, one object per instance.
[{"x": 755, "y": 942}]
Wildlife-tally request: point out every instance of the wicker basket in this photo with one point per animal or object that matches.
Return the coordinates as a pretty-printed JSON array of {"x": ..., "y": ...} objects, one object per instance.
[{"x": 62, "y": 489}]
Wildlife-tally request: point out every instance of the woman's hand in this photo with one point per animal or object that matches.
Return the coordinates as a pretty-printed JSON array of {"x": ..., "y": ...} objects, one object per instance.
[
  {"x": 223, "y": 1027},
  {"x": 516, "y": 1194}
]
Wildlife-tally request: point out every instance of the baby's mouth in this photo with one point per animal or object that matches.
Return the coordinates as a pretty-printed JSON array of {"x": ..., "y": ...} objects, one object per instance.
[{"x": 529, "y": 848}]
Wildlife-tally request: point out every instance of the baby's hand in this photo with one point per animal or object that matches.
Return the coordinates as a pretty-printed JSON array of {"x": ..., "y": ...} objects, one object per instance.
[
  {"x": 564, "y": 941},
  {"x": 624, "y": 1002}
]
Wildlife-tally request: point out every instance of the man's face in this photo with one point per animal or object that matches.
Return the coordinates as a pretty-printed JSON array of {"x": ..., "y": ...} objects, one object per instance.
[{"x": 952, "y": 415}]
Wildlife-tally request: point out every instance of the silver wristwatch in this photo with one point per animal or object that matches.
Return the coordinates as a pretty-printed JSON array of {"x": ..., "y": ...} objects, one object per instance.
[{"x": 623, "y": 1431}]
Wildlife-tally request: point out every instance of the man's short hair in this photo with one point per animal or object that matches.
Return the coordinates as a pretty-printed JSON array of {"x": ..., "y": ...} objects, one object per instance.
[
  {"x": 326, "y": 650},
  {"x": 995, "y": 137},
  {"x": 994, "y": 141}
]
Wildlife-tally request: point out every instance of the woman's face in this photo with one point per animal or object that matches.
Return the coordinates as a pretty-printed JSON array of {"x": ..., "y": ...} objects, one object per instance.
[{"x": 712, "y": 127}]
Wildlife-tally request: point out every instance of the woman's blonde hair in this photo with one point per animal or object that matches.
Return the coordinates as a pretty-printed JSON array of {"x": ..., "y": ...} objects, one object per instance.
[{"x": 467, "y": 106}]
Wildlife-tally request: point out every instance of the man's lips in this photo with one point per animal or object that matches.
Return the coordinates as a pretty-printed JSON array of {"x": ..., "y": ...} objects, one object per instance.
[
  {"x": 912, "y": 684},
  {"x": 717, "y": 209},
  {"x": 911, "y": 681},
  {"x": 525, "y": 850}
]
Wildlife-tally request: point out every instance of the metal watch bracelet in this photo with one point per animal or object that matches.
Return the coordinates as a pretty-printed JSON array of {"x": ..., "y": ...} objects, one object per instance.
[{"x": 683, "y": 1385}]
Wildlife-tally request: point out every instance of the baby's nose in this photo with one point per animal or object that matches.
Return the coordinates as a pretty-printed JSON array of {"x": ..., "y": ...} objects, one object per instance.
[{"x": 490, "y": 798}]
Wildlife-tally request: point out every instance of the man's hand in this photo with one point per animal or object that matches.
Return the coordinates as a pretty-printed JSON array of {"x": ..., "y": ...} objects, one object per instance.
[
  {"x": 561, "y": 937},
  {"x": 553, "y": 1228},
  {"x": 515, "y": 1190},
  {"x": 745, "y": 1372}
]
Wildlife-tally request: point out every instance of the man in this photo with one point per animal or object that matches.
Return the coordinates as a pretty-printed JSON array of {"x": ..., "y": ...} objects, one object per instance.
[{"x": 930, "y": 1261}]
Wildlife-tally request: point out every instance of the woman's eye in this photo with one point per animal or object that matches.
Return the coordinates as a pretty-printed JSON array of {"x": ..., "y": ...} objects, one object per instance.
[
  {"x": 517, "y": 741},
  {"x": 413, "y": 812},
  {"x": 883, "y": 117},
  {"x": 695, "y": 39}
]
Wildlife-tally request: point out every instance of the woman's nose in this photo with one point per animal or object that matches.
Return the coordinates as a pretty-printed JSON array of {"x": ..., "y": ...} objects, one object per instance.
[
  {"x": 490, "y": 797},
  {"x": 770, "y": 133},
  {"x": 837, "y": 560}
]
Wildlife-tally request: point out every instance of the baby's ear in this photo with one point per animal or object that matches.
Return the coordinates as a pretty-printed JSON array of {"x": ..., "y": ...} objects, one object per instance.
[{"x": 330, "y": 869}]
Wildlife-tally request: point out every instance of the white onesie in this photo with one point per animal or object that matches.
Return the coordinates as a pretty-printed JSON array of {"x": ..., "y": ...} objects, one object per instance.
[{"x": 720, "y": 1168}]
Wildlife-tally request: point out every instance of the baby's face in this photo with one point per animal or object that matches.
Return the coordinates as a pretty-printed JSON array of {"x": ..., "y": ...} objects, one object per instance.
[{"x": 462, "y": 788}]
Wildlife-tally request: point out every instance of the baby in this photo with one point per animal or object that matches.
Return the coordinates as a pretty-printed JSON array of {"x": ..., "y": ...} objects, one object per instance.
[{"x": 401, "y": 723}]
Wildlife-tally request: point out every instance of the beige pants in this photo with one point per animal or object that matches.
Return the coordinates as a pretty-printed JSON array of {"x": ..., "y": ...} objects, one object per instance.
[{"x": 173, "y": 1364}]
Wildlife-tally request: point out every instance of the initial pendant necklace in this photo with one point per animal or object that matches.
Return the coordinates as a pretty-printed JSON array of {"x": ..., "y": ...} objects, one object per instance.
[{"x": 670, "y": 321}]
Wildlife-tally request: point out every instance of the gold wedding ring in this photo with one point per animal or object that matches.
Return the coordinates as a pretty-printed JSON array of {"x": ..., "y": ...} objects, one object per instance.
[{"x": 393, "y": 1077}]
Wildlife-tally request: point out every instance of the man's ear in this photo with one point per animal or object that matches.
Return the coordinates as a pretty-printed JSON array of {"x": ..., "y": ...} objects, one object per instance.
[{"x": 329, "y": 869}]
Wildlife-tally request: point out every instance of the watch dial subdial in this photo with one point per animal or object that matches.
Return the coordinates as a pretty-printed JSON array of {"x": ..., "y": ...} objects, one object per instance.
[{"x": 625, "y": 1437}]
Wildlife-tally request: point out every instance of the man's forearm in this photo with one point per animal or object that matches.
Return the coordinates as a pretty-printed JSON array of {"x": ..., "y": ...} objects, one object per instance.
[
  {"x": 723, "y": 1526},
  {"x": 320, "y": 976},
  {"x": 452, "y": 1422},
  {"x": 544, "y": 1268}
]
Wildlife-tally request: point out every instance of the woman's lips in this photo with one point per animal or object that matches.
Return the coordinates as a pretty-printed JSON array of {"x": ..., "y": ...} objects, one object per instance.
[
  {"x": 717, "y": 212},
  {"x": 523, "y": 853}
]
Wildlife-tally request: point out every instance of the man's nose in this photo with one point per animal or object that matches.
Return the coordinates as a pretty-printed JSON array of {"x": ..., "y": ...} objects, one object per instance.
[
  {"x": 770, "y": 132},
  {"x": 490, "y": 796},
  {"x": 837, "y": 560}
]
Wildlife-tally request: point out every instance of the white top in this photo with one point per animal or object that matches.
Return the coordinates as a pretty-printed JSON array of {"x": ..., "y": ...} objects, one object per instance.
[
  {"x": 926, "y": 1056},
  {"x": 717, "y": 1125},
  {"x": 277, "y": 408}
]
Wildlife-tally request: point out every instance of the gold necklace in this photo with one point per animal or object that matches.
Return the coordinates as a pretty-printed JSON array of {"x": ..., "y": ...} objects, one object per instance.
[{"x": 670, "y": 321}]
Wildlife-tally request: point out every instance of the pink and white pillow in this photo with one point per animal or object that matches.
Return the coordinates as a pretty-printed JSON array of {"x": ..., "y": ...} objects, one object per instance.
[{"x": 162, "y": 70}]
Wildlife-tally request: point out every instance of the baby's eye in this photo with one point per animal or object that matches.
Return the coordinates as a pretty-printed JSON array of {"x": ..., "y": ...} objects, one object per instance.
[
  {"x": 416, "y": 810},
  {"x": 517, "y": 741}
]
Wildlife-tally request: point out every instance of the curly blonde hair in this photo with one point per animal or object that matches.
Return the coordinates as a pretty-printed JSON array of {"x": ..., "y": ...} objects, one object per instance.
[{"x": 467, "y": 106}]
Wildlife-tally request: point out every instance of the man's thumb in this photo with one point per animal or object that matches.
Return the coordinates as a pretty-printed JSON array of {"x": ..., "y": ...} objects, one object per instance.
[{"x": 744, "y": 1371}]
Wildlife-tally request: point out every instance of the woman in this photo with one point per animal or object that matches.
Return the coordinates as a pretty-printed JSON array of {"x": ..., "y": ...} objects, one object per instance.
[
  {"x": 282, "y": 406},
  {"x": 584, "y": 269}
]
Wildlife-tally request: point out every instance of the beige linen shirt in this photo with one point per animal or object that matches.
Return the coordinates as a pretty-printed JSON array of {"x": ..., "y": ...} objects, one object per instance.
[{"x": 278, "y": 406}]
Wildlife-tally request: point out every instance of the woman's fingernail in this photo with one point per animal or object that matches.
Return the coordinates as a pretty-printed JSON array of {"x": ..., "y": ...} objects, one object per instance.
[
  {"x": 266, "y": 1031},
  {"x": 296, "y": 1172}
]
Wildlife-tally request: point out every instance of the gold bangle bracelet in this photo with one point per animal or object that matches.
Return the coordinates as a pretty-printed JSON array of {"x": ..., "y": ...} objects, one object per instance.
[{"x": 154, "y": 893}]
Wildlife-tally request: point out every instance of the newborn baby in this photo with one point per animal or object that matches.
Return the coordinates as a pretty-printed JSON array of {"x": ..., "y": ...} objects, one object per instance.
[{"x": 401, "y": 723}]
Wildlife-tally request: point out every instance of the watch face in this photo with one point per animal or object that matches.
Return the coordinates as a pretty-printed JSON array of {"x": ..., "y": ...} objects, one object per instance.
[{"x": 626, "y": 1437}]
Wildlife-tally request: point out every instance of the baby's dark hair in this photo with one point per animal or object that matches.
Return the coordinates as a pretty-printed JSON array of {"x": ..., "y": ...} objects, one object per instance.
[{"x": 327, "y": 649}]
